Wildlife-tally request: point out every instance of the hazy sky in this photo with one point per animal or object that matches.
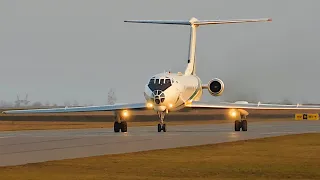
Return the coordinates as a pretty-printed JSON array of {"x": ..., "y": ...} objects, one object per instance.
[{"x": 77, "y": 50}]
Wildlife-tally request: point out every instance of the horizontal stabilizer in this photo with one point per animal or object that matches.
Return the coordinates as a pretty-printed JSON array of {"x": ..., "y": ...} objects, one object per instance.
[
  {"x": 176, "y": 22},
  {"x": 194, "y": 21}
]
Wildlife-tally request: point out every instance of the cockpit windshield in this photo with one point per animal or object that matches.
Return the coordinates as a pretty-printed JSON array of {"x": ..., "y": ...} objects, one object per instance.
[
  {"x": 161, "y": 81},
  {"x": 159, "y": 84}
]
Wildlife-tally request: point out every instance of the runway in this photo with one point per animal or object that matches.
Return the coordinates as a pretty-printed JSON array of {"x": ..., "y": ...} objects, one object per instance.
[{"x": 21, "y": 147}]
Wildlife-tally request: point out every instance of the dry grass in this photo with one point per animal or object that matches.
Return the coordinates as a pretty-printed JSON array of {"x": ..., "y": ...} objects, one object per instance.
[{"x": 285, "y": 157}]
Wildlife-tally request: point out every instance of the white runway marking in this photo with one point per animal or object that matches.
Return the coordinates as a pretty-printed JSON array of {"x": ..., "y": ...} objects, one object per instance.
[
  {"x": 4, "y": 137},
  {"x": 284, "y": 132}
]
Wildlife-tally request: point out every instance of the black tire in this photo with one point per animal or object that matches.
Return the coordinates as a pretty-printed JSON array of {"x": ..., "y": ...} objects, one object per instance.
[
  {"x": 116, "y": 127},
  {"x": 237, "y": 125},
  {"x": 244, "y": 125},
  {"x": 159, "y": 127},
  {"x": 164, "y": 128},
  {"x": 124, "y": 126}
]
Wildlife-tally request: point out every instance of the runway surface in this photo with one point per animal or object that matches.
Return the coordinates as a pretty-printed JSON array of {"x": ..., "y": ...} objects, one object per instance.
[{"x": 21, "y": 147}]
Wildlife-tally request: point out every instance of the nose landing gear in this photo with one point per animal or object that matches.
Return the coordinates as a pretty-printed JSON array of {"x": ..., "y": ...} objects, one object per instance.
[{"x": 162, "y": 126}]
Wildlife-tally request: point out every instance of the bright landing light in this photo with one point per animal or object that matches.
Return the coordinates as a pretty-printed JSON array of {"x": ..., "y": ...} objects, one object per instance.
[
  {"x": 125, "y": 113},
  {"x": 150, "y": 105},
  {"x": 170, "y": 105},
  {"x": 233, "y": 113}
]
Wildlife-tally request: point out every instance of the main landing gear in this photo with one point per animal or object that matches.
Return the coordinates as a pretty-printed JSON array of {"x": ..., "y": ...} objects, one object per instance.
[
  {"x": 162, "y": 126},
  {"x": 241, "y": 124},
  {"x": 120, "y": 124}
]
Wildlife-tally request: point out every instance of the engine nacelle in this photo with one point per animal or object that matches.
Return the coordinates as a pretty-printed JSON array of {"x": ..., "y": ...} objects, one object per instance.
[{"x": 216, "y": 87}]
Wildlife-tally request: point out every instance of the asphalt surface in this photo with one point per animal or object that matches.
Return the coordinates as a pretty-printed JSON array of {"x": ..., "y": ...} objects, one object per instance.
[{"x": 21, "y": 147}]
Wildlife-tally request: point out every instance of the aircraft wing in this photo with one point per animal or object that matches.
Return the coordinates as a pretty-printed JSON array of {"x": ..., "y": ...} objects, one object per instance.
[
  {"x": 80, "y": 109},
  {"x": 226, "y": 105}
]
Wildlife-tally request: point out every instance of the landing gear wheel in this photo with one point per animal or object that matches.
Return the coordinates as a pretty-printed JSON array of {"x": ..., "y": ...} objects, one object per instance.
[
  {"x": 120, "y": 126},
  {"x": 124, "y": 126},
  {"x": 244, "y": 125},
  {"x": 237, "y": 125},
  {"x": 116, "y": 126},
  {"x": 164, "y": 128}
]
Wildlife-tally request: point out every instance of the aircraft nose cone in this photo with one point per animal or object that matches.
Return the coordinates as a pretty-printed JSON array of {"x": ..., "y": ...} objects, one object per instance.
[{"x": 158, "y": 96}]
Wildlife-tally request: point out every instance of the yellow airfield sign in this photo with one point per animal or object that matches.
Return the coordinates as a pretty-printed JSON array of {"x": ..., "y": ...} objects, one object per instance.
[{"x": 306, "y": 116}]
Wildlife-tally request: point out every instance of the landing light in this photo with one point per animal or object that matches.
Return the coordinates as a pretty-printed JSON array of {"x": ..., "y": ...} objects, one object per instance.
[
  {"x": 125, "y": 113},
  {"x": 233, "y": 113},
  {"x": 150, "y": 105},
  {"x": 170, "y": 105}
]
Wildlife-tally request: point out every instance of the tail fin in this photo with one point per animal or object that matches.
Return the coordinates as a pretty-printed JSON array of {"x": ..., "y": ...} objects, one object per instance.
[{"x": 194, "y": 23}]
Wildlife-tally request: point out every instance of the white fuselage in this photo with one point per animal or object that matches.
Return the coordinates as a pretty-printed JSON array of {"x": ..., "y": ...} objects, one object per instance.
[{"x": 170, "y": 91}]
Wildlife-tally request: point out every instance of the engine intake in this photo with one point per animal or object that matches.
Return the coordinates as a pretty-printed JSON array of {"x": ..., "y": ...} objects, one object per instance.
[{"x": 216, "y": 87}]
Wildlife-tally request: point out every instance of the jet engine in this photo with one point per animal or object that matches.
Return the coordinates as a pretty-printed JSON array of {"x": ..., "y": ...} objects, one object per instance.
[{"x": 216, "y": 87}]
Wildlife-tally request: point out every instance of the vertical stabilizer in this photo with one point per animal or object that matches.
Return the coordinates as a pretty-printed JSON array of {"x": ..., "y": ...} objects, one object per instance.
[
  {"x": 191, "y": 69},
  {"x": 194, "y": 24}
]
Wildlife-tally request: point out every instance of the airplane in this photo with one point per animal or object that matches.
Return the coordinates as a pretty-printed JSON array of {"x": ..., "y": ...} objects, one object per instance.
[{"x": 167, "y": 92}]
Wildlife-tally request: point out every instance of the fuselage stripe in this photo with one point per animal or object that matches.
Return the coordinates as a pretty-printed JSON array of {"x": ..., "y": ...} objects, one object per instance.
[{"x": 196, "y": 91}]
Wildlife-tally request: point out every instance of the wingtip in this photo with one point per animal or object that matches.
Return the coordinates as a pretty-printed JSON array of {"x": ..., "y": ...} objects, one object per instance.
[{"x": 270, "y": 19}]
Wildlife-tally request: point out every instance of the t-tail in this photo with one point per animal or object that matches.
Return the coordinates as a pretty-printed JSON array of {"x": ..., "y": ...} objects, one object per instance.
[{"x": 194, "y": 24}]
